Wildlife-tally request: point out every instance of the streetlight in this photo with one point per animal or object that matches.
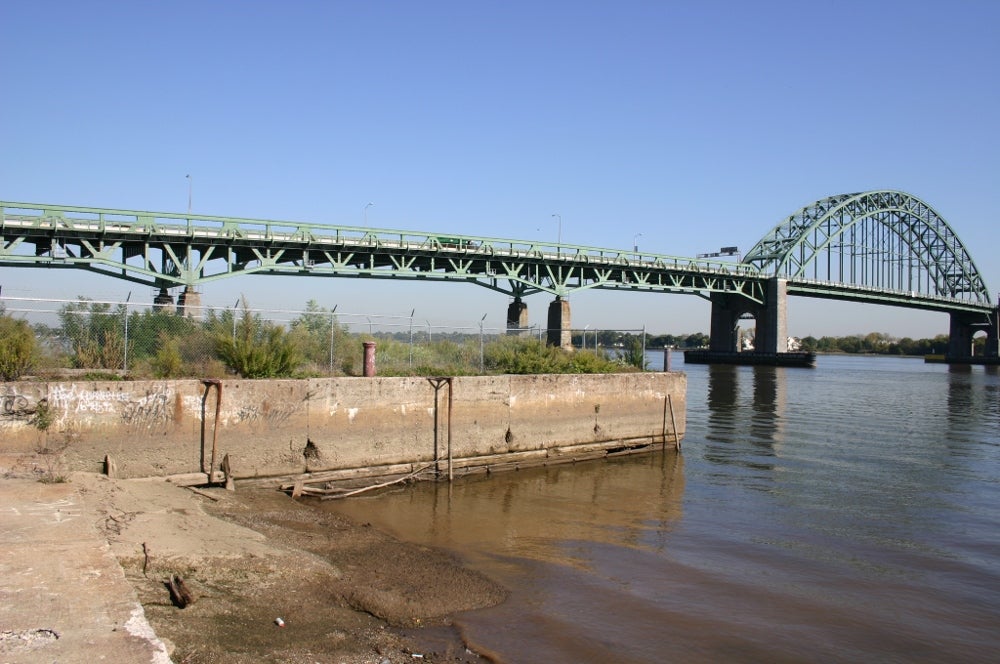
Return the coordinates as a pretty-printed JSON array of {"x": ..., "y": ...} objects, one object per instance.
[
  {"x": 125, "y": 357},
  {"x": 481, "y": 364},
  {"x": 635, "y": 242},
  {"x": 190, "y": 190},
  {"x": 411, "y": 335},
  {"x": 585, "y": 328},
  {"x": 333, "y": 335},
  {"x": 235, "y": 305},
  {"x": 559, "y": 236},
  {"x": 364, "y": 212}
]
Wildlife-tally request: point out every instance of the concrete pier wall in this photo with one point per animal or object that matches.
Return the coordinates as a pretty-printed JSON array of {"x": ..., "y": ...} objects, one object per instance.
[{"x": 161, "y": 428}]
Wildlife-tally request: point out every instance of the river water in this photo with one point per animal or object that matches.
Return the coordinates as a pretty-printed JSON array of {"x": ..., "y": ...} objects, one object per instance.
[{"x": 845, "y": 513}]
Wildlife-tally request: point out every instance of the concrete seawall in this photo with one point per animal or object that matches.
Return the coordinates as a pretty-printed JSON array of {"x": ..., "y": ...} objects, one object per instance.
[{"x": 273, "y": 428}]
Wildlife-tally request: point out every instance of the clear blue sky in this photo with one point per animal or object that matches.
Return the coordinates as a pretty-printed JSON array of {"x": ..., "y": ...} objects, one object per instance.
[{"x": 696, "y": 124}]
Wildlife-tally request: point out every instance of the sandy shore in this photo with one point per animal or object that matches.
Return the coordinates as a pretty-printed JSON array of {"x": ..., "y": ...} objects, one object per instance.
[{"x": 344, "y": 591}]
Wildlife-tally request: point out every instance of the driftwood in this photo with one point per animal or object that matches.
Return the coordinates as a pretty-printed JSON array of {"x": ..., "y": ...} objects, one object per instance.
[
  {"x": 204, "y": 494},
  {"x": 299, "y": 487},
  {"x": 227, "y": 470},
  {"x": 179, "y": 593},
  {"x": 377, "y": 486}
]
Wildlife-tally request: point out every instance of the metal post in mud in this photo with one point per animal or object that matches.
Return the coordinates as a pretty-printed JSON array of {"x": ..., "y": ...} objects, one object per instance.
[
  {"x": 209, "y": 382},
  {"x": 663, "y": 429},
  {"x": 673, "y": 424},
  {"x": 437, "y": 383},
  {"x": 450, "y": 402}
]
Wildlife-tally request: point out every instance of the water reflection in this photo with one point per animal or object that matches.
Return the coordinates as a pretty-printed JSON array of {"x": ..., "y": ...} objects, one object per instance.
[
  {"x": 973, "y": 394},
  {"x": 539, "y": 513},
  {"x": 745, "y": 425}
]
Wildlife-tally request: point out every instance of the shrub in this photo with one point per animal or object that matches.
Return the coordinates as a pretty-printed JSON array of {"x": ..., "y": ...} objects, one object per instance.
[
  {"x": 521, "y": 355},
  {"x": 259, "y": 349},
  {"x": 17, "y": 347},
  {"x": 633, "y": 354},
  {"x": 167, "y": 362}
]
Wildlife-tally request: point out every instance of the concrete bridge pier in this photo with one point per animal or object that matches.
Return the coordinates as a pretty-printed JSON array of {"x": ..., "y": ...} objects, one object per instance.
[
  {"x": 726, "y": 312},
  {"x": 189, "y": 303},
  {"x": 993, "y": 334},
  {"x": 559, "y": 333},
  {"x": 517, "y": 317},
  {"x": 773, "y": 338},
  {"x": 163, "y": 300},
  {"x": 771, "y": 320},
  {"x": 963, "y": 329}
]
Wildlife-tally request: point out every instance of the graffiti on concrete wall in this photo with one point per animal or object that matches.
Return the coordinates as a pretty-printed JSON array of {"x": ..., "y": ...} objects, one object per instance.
[
  {"x": 266, "y": 413},
  {"x": 149, "y": 411},
  {"x": 138, "y": 413},
  {"x": 16, "y": 407}
]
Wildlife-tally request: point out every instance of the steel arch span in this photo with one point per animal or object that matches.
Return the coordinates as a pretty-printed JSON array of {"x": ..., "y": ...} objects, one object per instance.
[{"x": 883, "y": 242}]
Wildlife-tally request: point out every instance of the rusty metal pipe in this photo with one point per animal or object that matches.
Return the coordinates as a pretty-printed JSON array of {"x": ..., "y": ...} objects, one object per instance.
[{"x": 209, "y": 382}]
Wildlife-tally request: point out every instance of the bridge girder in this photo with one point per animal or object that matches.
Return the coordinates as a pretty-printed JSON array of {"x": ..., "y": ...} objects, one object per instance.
[
  {"x": 880, "y": 246},
  {"x": 166, "y": 250}
]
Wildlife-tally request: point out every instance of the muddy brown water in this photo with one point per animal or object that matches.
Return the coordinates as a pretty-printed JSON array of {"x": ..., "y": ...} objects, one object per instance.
[{"x": 845, "y": 513}]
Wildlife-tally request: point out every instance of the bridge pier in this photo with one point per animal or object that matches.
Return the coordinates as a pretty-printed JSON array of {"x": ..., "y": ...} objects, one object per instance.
[
  {"x": 726, "y": 313},
  {"x": 771, "y": 320},
  {"x": 963, "y": 329},
  {"x": 559, "y": 333},
  {"x": 775, "y": 315},
  {"x": 189, "y": 303},
  {"x": 517, "y": 317},
  {"x": 163, "y": 300}
]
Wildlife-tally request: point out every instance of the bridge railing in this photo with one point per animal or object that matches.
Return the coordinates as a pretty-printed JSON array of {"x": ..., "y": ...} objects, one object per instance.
[
  {"x": 51, "y": 221},
  {"x": 917, "y": 298}
]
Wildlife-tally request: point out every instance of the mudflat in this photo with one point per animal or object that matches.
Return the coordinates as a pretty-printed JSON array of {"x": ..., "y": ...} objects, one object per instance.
[{"x": 274, "y": 580}]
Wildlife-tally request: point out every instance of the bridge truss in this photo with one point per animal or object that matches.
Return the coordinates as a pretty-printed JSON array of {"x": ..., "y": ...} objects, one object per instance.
[
  {"x": 165, "y": 250},
  {"x": 878, "y": 246}
]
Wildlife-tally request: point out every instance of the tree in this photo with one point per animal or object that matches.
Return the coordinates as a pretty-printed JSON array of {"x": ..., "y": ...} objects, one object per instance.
[
  {"x": 17, "y": 347},
  {"x": 633, "y": 354}
]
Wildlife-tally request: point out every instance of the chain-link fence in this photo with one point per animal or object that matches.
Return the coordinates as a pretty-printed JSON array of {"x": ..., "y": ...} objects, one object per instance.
[{"x": 144, "y": 340}]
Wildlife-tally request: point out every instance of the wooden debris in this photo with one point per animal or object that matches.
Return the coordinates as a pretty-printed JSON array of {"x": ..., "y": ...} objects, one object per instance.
[
  {"x": 377, "y": 486},
  {"x": 179, "y": 593},
  {"x": 204, "y": 494},
  {"x": 227, "y": 470}
]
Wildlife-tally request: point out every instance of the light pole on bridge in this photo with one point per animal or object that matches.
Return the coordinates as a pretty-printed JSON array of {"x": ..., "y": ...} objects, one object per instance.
[
  {"x": 559, "y": 234},
  {"x": 635, "y": 242},
  {"x": 364, "y": 212}
]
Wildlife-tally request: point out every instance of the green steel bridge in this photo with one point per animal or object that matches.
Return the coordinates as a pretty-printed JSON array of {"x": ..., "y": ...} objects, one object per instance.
[{"x": 885, "y": 247}]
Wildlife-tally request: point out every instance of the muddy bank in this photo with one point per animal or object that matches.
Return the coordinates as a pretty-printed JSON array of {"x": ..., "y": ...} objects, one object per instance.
[{"x": 344, "y": 591}]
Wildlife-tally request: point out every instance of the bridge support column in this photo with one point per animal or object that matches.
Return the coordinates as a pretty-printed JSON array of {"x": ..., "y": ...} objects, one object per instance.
[
  {"x": 963, "y": 329},
  {"x": 993, "y": 334},
  {"x": 163, "y": 301},
  {"x": 772, "y": 331},
  {"x": 559, "y": 333},
  {"x": 771, "y": 320},
  {"x": 725, "y": 319},
  {"x": 517, "y": 317},
  {"x": 189, "y": 303}
]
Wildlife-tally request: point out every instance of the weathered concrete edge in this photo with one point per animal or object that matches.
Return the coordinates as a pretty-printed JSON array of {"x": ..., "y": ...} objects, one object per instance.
[{"x": 370, "y": 426}]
